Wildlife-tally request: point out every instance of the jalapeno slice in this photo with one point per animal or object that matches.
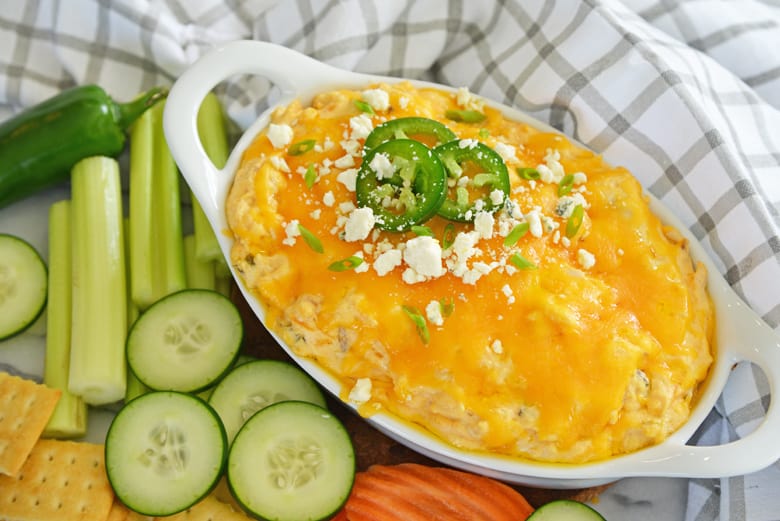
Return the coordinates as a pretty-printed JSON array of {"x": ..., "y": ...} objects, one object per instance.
[
  {"x": 410, "y": 193},
  {"x": 422, "y": 129},
  {"x": 484, "y": 171}
]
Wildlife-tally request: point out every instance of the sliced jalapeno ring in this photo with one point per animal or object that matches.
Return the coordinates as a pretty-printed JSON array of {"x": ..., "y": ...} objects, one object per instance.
[
  {"x": 408, "y": 128},
  {"x": 490, "y": 174},
  {"x": 415, "y": 191}
]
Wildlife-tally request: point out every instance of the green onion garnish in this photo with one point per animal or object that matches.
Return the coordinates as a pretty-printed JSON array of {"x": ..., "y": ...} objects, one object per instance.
[
  {"x": 447, "y": 307},
  {"x": 363, "y": 106},
  {"x": 301, "y": 147},
  {"x": 521, "y": 262},
  {"x": 516, "y": 234},
  {"x": 419, "y": 321},
  {"x": 528, "y": 173},
  {"x": 484, "y": 133},
  {"x": 575, "y": 221},
  {"x": 310, "y": 177},
  {"x": 313, "y": 242},
  {"x": 448, "y": 237},
  {"x": 422, "y": 231},
  {"x": 566, "y": 184},
  {"x": 465, "y": 116},
  {"x": 350, "y": 263}
]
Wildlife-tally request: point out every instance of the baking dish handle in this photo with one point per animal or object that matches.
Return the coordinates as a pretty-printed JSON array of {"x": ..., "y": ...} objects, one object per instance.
[{"x": 288, "y": 70}]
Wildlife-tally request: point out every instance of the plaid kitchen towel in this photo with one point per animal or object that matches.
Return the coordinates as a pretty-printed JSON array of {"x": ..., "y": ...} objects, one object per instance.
[{"x": 686, "y": 94}]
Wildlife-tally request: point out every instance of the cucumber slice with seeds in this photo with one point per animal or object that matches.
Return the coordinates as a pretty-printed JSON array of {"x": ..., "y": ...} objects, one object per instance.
[
  {"x": 164, "y": 452},
  {"x": 565, "y": 510},
  {"x": 258, "y": 384},
  {"x": 185, "y": 341},
  {"x": 291, "y": 461},
  {"x": 23, "y": 285}
]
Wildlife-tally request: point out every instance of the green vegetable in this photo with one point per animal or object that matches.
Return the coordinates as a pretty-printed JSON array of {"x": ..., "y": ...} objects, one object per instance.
[
  {"x": 69, "y": 419},
  {"x": 409, "y": 128},
  {"x": 521, "y": 262},
  {"x": 301, "y": 147},
  {"x": 200, "y": 274},
  {"x": 97, "y": 356},
  {"x": 422, "y": 231},
  {"x": 419, "y": 322},
  {"x": 23, "y": 282},
  {"x": 418, "y": 185},
  {"x": 565, "y": 510},
  {"x": 363, "y": 106},
  {"x": 39, "y": 146},
  {"x": 574, "y": 221},
  {"x": 350, "y": 263},
  {"x": 566, "y": 184},
  {"x": 516, "y": 234},
  {"x": 311, "y": 239},
  {"x": 448, "y": 237},
  {"x": 310, "y": 177},
  {"x": 528, "y": 173},
  {"x": 465, "y": 116}
]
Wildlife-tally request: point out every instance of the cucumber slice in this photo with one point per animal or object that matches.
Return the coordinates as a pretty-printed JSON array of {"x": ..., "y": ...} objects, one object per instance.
[
  {"x": 565, "y": 510},
  {"x": 165, "y": 451},
  {"x": 255, "y": 385},
  {"x": 185, "y": 341},
  {"x": 291, "y": 461},
  {"x": 23, "y": 285}
]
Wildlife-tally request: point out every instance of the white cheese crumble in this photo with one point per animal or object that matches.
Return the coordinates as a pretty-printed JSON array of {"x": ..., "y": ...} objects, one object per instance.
[
  {"x": 507, "y": 152},
  {"x": 567, "y": 203},
  {"x": 280, "y": 164},
  {"x": 363, "y": 267},
  {"x": 361, "y": 126},
  {"x": 534, "y": 223},
  {"x": 348, "y": 178},
  {"x": 291, "y": 231},
  {"x": 361, "y": 392},
  {"x": 328, "y": 199},
  {"x": 465, "y": 99},
  {"x": 586, "y": 259},
  {"x": 382, "y": 166},
  {"x": 468, "y": 143},
  {"x": 497, "y": 197},
  {"x": 403, "y": 102},
  {"x": 423, "y": 256},
  {"x": 579, "y": 178},
  {"x": 350, "y": 146},
  {"x": 345, "y": 161},
  {"x": 280, "y": 135},
  {"x": 433, "y": 313},
  {"x": 497, "y": 347},
  {"x": 508, "y": 293},
  {"x": 377, "y": 98},
  {"x": 483, "y": 224},
  {"x": 359, "y": 224},
  {"x": 316, "y": 214},
  {"x": 387, "y": 262}
]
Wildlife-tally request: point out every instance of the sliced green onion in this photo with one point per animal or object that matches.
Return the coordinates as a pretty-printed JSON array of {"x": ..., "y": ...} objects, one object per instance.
[
  {"x": 350, "y": 263},
  {"x": 448, "y": 237},
  {"x": 465, "y": 116},
  {"x": 313, "y": 242},
  {"x": 419, "y": 321},
  {"x": 575, "y": 221},
  {"x": 301, "y": 147},
  {"x": 516, "y": 234},
  {"x": 447, "y": 307},
  {"x": 528, "y": 173},
  {"x": 422, "y": 231},
  {"x": 566, "y": 184},
  {"x": 310, "y": 177},
  {"x": 521, "y": 262},
  {"x": 363, "y": 106},
  {"x": 484, "y": 133}
]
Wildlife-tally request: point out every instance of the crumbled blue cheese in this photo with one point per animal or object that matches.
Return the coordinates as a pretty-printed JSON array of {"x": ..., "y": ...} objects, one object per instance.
[
  {"x": 403, "y": 102},
  {"x": 585, "y": 258},
  {"x": 359, "y": 224},
  {"x": 345, "y": 161},
  {"x": 387, "y": 261},
  {"x": 497, "y": 197},
  {"x": 348, "y": 178},
  {"x": 497, "y": 346},
  {"x": 363, "y": 267},
  {"x": 508, "y": 293},
  {"x": 507, "y": 152},
  {"x": 377, "y": 98},
  {"x": 328, "y": 199},
  {"x": 381, "y": 164},
  {"x": 483, "y": 224},
  {"x": 280, "y": 164},
  {"x": 465, "y": 99},
  {"x": 468, "y": 143},
  {"x": 316, "y": 214},
  {"x": 579, "y": 178},
  {"x": 280, "y": 135},
  {"x": 422, "y": 255},
  {"x": 361, "y": 391},
  {"x": 361, "y": 126},
  {"x": 567, "y": 203},
  {"x": 291, "y": 231},
  {"x": 433, "y": 313},
  {"x": 534, "y": 222}
]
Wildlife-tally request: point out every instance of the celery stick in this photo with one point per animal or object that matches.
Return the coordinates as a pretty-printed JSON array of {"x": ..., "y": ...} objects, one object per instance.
[
  {"x": 156, "y": 248},
  {"x": 200, "y": 274},
  {"x": 99, "y": 323},
  {"x": 213, "y": 136},
  {"x": 69, "y": 419},
  {"x": 134, "y": 386}
]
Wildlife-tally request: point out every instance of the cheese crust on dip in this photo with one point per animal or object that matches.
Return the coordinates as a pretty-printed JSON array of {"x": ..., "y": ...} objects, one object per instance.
[{"x": 550, "y": 315}]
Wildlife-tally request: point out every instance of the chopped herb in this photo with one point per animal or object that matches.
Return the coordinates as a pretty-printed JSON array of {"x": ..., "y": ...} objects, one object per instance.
[
  {"x": 465, "y": 116},
  {"x": 575, "y": 221},
  {"x": 447, "y": 307},
  {"x": 301, "y": 147},
  {"x": 528, "y": 173},
  {"x": 448, "y": 237},
  {"x": 310, "y": 177},
  {"x": 419, "y": 321},
  {"x": 566, "y": 184},
  {"x": 516, "y": 234},
  {"x": 422, "y": 231},
  {"x": 521, "y": 262},
  {"x": 350, "y": 263},
  {"x": 364, "y": 107},
  {"x": 484, "y": 133},
  {"x": 313, "y": 242}
]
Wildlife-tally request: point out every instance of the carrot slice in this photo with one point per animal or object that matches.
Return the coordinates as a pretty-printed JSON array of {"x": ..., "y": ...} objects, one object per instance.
[{"x": 412, "y": 492}]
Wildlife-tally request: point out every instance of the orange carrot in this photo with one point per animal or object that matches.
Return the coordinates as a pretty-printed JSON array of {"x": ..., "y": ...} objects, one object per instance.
[{"x": 412, "y": 492}]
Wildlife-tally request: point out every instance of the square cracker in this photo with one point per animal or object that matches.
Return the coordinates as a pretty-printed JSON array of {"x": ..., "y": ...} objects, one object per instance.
[
  {"x": 25, "y": 408},
  {"x": 62, "y": 480}
]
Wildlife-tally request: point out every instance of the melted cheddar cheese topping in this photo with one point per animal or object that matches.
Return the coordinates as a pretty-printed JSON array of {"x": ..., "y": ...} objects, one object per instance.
[{"x": 597, "y": 349}]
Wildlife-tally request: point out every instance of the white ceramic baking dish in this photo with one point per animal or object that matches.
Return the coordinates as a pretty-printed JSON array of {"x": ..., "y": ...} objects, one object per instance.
[{"x": 740, "y": 334}]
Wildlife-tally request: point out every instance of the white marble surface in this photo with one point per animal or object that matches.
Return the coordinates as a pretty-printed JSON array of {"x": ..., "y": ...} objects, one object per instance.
[{"x": 636, "y": 499}]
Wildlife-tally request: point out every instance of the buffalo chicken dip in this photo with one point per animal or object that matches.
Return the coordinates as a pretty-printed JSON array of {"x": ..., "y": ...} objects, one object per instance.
[{"x": 495, "y": 284}]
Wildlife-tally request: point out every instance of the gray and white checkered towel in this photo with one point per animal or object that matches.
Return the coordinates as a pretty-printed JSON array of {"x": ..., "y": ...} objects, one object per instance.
[{"x": 686, "y": 94}]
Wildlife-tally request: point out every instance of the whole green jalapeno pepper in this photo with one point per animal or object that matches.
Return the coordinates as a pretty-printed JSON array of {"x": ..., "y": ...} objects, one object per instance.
[{"x": 39, "y": 146}]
